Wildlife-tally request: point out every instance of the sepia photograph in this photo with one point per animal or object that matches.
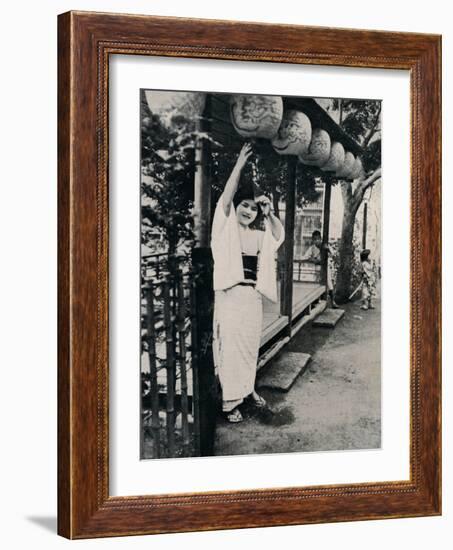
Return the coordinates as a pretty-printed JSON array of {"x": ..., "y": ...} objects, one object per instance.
[{"x": 261, "y": 270}]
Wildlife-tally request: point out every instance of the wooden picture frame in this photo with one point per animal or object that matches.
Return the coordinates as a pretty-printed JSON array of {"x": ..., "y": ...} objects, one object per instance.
[{"x": 85, "y": 41}]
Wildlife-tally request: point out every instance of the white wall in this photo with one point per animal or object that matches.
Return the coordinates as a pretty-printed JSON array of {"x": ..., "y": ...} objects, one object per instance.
[
  {"x": 28, "y": 289},
  {"x": 373, "y": 219}
]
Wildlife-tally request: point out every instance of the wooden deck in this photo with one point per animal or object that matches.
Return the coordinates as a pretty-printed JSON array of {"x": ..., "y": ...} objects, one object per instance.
[{"x": 304, "y": 294}]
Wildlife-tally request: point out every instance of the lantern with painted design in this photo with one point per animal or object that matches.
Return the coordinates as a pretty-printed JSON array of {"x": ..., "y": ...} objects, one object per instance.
[
  {"x": 346, "y": 169},
  {"x": 319, "y": 150},
  {"x": 294, "y": 134},
  {"x": 176, "y": 109},
  {"x": 357, "y": 169},
  {"x": 256, "y": 116},
  {"x": 336, "y": 158}
]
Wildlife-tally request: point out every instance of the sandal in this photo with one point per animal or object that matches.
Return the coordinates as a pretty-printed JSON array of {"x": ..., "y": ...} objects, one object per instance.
[{"x": 234, "y": 416}]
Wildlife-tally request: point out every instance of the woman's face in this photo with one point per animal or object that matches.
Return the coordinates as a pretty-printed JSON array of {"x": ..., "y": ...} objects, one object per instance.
[{"x": 246, "y": 211}]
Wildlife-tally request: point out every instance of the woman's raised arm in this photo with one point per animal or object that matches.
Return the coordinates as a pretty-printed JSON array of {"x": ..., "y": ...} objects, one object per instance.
[{"x": 233, "y": 181}]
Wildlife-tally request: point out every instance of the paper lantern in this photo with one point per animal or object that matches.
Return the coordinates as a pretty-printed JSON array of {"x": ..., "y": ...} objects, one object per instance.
[
  {"x": 336, "y": 158},
  {"x": 294, "y": 134},
  {"x": 346, "y": 170},
  {"x": 256, "y": 116},
  {"x": 176, "y": 108},
  {"x": 357, "y": 169},
  {"x": 319, "y": 150}
]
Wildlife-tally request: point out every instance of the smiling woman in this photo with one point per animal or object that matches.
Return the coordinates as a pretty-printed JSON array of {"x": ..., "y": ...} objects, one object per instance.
[
  {"x": 220, "y": 297},
  {"x": 105, "y": 488},
  {"x": 244, "y": 270}
]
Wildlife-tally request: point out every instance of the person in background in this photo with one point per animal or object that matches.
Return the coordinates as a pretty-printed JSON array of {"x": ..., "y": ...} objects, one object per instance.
[
  {"x": 245, "y": 238},
  {"x": 368, "y": 280},
  {"x": 313, "y": 255}
]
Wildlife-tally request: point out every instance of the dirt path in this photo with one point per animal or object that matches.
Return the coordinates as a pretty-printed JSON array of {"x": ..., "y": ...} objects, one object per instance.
[{"x": 334, "y": 405}]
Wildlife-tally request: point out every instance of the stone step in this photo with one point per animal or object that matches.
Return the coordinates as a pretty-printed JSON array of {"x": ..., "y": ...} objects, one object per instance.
[
  {"x": 328, "y": 318},
  {"x": 281, "y": 373}
]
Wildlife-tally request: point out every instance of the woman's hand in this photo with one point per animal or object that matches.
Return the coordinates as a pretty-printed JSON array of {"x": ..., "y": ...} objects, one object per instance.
[
  {"x": 233, "y": 181},
  {"x": 274, "y": 223},
  {"x": 244, "y": 155},
  {"x": 265, "y": 205}
]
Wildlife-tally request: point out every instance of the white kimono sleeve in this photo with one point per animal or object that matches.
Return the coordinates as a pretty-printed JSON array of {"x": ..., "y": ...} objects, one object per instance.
[
  {"x": 226, "y": 248},
  {"x": 267, "y": 268}
]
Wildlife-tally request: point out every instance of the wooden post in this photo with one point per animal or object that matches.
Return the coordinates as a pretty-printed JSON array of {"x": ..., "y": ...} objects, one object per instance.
[
  {"x": 290, "y": 211},
  {"x": 207, "y": 387},
  {"x": 202, "y": 263},
  {"x": 325, "y": 233},
  {"x": 171, "y": 368},
  {"x": 365, "y": 223},
  {"x": 195, "y": 363},
  {"x": 154, "y": 389},
  {"x": 182, "y": 364},
  {"x": 202, "y": 181}
]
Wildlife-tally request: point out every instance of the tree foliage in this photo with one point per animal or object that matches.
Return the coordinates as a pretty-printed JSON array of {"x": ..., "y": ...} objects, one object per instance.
[
  {"x": 167, "y": 182},
  {"x": 361, "y": 119}
]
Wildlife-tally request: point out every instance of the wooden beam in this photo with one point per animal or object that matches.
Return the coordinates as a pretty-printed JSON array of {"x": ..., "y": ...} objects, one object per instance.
[
  {"x": 202, "y": 181},
  {"x": 325, "y": 232},
  {"x": 290, "y": 210},
  {"x": 205, "y": 388}
]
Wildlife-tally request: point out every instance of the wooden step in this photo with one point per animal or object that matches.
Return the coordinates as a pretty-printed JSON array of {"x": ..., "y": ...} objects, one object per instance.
[
  {"x": 328, "y": 318},
  {"x": 281, "y": 373}
]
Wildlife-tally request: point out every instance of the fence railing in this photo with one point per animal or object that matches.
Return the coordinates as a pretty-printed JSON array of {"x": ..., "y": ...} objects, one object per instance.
[
  {"x": 303, "y": 271},
  {"x": 170, "y": 423},
  {"x": 170, "y": 387}
]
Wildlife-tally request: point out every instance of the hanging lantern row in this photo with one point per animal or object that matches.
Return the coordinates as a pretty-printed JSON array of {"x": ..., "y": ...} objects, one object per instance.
[
  {"x": 262, "y": 116},
  {"x": 291, "y": 133}
]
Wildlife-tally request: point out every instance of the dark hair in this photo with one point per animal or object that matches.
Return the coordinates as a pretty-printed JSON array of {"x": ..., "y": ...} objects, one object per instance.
[
  {"x": 243, "y": 195},
  {"x": 315, "y": 234},
  {"x": 248, "y": 191},
  {"x": 364, "y": 255}
]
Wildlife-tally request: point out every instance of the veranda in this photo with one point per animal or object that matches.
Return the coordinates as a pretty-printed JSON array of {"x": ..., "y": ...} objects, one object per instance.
[{"x": 180, "y": 407}]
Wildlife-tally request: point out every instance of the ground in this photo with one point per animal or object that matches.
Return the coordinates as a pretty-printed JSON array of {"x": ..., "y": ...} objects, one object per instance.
[{"x": 334, "y": 405}]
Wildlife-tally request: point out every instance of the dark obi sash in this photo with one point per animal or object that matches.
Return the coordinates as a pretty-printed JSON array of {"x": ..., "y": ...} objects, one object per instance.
[{"x": 250, "y": 265}]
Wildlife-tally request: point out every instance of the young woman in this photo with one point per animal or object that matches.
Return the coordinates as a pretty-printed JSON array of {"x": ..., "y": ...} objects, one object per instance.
[{"x": 244, "y": 271}]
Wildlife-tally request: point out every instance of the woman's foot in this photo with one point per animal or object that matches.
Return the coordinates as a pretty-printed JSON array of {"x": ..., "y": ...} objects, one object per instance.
[{"x": 234, "y": 416}]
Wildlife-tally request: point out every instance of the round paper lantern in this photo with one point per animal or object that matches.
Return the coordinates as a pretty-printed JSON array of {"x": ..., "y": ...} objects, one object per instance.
[
  {"x": 319, "y": 150},
  {"x": 336, "y": 158},
  {"x": 294, "y": 134},
  {"x": 346, "y": 170},
  {"x": 176, "y": 108},
  {"x": 357, "y": 169},
  {"x": 257, "y": 116}
]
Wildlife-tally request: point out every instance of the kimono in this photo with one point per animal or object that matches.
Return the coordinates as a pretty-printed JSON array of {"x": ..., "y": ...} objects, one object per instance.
[
  {"x": 368, "y": 282},
  {"x": 238, "y": 310}
]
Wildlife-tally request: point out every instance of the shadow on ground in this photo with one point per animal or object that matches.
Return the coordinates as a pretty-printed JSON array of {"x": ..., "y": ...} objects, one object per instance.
[{"x": 334, "y": 405}]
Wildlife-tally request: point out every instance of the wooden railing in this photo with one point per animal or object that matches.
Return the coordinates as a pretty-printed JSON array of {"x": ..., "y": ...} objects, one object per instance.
[
  {"x": 170, "y": 423},
  {"x": 303, "y": 271}
]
